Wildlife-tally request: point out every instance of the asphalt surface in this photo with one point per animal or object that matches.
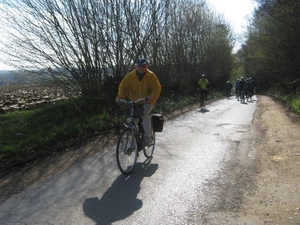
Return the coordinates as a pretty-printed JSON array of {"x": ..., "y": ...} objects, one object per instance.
[{"x": 172, "y": 188}]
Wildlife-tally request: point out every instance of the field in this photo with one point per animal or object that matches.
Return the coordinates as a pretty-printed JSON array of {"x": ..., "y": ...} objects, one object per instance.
[{"x": 29, "y": 97}]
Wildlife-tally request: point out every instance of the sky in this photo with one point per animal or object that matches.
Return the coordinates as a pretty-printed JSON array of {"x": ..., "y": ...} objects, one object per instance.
[{"x": 235, "y": 12}]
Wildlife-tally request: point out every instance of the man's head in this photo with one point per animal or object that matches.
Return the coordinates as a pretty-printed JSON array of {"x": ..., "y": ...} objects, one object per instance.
[
  {"x": 203, "y": 76},
  {"x": 142, "y": 65}
]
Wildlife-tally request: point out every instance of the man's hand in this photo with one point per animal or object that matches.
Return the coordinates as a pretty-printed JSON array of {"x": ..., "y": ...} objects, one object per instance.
[
  {"x": 149, "y": 98},
  {"x": 117, "y": 100}
]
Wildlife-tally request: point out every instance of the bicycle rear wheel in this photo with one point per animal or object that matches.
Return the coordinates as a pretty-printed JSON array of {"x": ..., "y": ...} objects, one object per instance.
[
  {"x": 242, "y": 97},
  {"x": 126, "y": 151},
  {"x": 228, "y": 93},
  {"x": 148, "y": 151},
  {"x": 202, "y": 100}
]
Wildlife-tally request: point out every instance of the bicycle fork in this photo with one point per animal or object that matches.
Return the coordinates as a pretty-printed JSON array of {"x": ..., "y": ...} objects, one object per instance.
[
  {"x": 138, "y": 141},
  {"x": 131, "y": 146}
]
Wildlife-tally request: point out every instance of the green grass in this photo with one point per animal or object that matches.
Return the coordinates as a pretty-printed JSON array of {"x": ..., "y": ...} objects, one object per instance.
[
  {"x": 26, "y": 135},
  {"x": 296, "y": 105},
  {"x": 293, "y": 100}
]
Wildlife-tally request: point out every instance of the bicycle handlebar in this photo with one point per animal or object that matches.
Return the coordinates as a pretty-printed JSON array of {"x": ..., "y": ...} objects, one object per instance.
[{"x": 136, "y": 101}]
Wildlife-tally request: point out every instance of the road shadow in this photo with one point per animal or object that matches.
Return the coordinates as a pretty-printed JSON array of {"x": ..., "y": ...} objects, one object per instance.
[
  {"x": 120, "y": 200},
  {"x": 251, "y": 101},
  {"x": 203, "y": 110},
  {"x": 243, "y": 102}
]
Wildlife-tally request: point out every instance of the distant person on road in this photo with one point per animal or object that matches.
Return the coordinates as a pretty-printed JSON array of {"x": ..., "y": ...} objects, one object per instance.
[
  {"x": 241, "y": 88},
  {"x": 228, "y": 87},
  {"x": 253, "y": 85},
  {"x": 141, "y": 83},
  {"x": 236, "y": 86},
  {"x": 204, "y": 85}
]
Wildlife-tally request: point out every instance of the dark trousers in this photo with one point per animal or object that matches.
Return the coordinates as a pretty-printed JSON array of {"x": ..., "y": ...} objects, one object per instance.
[{"x": 204, "y": 92}]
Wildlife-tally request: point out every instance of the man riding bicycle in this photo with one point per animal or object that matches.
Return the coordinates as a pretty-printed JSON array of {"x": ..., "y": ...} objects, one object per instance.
[
  {"x": 204, "y": 84},
  {"x": 141, "y": 83}
]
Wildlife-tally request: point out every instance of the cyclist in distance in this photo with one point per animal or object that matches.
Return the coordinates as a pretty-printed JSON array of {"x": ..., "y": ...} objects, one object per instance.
[
  {"x": 141, "y": 83},
  {"x": 204, "y": 85},
  {"x": 236, "y": 85},
  {"x": 247, "y": 88},
  {"x": 241, "y": 88},
  {"x": 228, "y": 87}
]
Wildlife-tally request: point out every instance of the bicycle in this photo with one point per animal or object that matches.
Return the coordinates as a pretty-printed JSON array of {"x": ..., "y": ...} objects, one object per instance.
[
  {"x": 242, "y": 96},
  {"x": 130, "y": 140},
  {"x": 228, "y": 93},
  {"x": 202, "y": 97},
  {"x": 237, "y": 95},
  {"x": 251, "y": 93}
]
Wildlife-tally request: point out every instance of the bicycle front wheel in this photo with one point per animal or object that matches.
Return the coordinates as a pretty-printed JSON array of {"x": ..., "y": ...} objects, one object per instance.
[
  {"x": 201, "y": 100},
  {"x": 126, "y": 151},
  {"x": 148, "y": 151}
]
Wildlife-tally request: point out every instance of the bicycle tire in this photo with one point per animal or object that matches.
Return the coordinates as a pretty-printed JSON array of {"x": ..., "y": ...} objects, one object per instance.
[
  {"x": 126, "y": 152},
  {"x": 148, "y": 151},
  {"x": 202, "y": 100},
  {"x": 242, "y": 97},
  {"x": 228, "y": 93}
]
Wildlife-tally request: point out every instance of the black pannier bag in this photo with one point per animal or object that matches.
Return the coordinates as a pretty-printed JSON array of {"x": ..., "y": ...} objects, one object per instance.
[{"x": 157, "y": 121}]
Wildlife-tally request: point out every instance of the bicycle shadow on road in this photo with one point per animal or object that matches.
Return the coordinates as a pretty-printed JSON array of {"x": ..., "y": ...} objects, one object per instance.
[
  {"x": 203, "y": 110},
  {"x": 120, "y": 200}
]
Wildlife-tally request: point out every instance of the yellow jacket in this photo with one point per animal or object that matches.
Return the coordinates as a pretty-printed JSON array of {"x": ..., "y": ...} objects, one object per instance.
[
  {"x": 134, "y": 88},
  {"x": 203, "y": 84}
]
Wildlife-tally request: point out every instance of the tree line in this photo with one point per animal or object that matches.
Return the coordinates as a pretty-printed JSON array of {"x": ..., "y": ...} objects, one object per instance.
[
  {"x": 89, "y": 45},
  {"x": 271, "y": 53}
]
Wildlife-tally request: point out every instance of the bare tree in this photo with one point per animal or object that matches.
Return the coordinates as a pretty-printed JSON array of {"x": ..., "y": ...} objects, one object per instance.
[
  {"x": 86, "y": 43},
  {"x": 89, "y": 45}
]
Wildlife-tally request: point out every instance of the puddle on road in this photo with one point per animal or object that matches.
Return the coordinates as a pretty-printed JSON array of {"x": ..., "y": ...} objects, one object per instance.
[
  {"x": 226, "y": 125},
  {"x": 239, "y": 127},
  {"x": 236, "y": 137},
  {"x": 236, "y": 131}
]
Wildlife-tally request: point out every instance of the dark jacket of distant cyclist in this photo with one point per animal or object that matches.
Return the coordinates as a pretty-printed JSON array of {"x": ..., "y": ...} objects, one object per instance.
[{"x": 241, "y": 85}]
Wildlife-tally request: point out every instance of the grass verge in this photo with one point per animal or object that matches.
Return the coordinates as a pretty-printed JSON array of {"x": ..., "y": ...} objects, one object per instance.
[
  {"x": 27, "y": 135},
  {"x": 293, "y": 100}
]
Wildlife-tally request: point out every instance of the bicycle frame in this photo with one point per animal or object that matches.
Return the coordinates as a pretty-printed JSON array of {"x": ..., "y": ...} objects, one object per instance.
[
  {"x": 129, "y": 122},
  {"x": 228, "y": 93},
  {"x": 202, "y": 97}
]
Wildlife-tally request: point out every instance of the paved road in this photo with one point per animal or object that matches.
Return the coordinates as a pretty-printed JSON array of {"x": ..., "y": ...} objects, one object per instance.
[{"x": 173, "y": 188}]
